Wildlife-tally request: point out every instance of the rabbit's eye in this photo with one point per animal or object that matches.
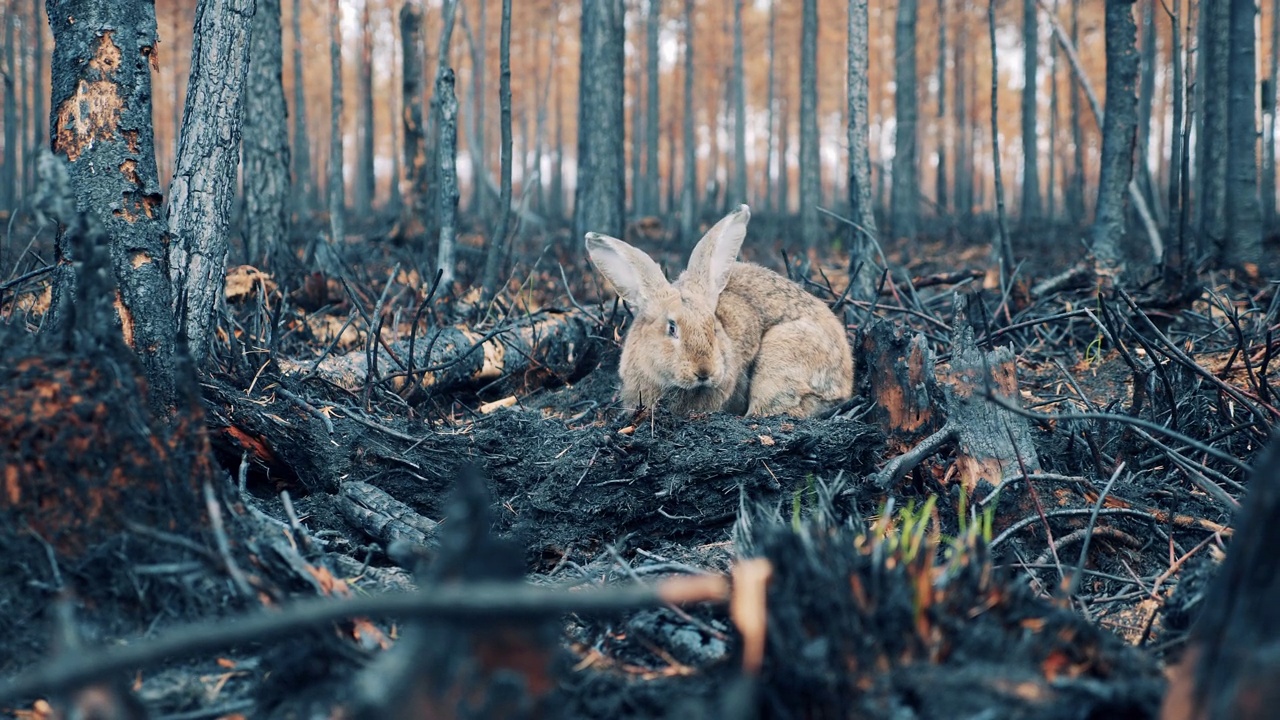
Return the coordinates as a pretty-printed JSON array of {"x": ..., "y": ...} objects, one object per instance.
[{"x": 671, "y": 328}]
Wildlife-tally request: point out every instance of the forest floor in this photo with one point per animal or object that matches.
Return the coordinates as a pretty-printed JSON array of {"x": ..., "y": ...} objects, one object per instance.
[{"x": 352, "y": 475}]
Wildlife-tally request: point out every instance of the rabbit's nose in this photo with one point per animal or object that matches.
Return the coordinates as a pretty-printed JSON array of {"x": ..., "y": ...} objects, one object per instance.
[{"x": 703, "y": 375}]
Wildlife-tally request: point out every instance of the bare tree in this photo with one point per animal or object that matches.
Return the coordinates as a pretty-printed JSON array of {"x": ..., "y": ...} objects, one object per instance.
[
  {"x": 203, "y": 185},
  {"x": 810, "y": 180},
  {"x": 653, "y": 99},
  {"x": 688, "y": 198},
  {"x": 1075, "y": 188},
  {"x": 600, "y": 199},
  {"x": 1146, "y": 99},
  {"x": 1049, "y": 195},
  {"x": 771, "y": 163},
  {"x": 1006, "y": 244},
  {"x": 940, "y": 184},
  {"x": 1119, "y": 132},
  {"x": 738, "y": 191},
  {"x": 905, "y": 192},
  {"x": 266, "y": 138},
  {"x": 447, "y": 153},
  {"x": 416, "y": 191},
  {"x": 1268, "y": 123},
  {"x": 41, "y": 125},
  {"x": 101, "y": 118},
  {"x": 478, "y": 141},
  {"x": 863, "y": 232},
  {"x": 1030, "y": 165},
  {"x": 364, "y": 180},
  {"x": 963, "y": 173},
  {"x": 498, "y": 247},
  {"x": 304, "y": 188},
  {"x": 337, "y": 193},
  {"x": 637, "y": 135},
  {"x": 1215, "y": 21},
  {"x": 12, "y": 177},
  {"x": 1244, "y": 223}
]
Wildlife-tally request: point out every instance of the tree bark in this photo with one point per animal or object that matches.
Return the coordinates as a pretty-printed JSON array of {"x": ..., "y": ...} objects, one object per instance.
[
  {"x": 555, "y": 193},
  {"x": 41, "y": 125},
  {"x": 739, "y": 188},
  {"x": 203, "y": 185},
  {"x": 364, "y": 185},
  {"x": 1146, "y": 100},
  {"x": 303, "y": 182},
  {"x": 1051, "y": 209},
  {"x": 1175, "y": 155},
  {"x": 963, "y": 174},
  {"x": 266, "y": 138},
  {"x": 784, "y": 152},
  {"x": 1215, "y": 21},
  {"x": 1006, "y": 244},
  {"x": 1030, "y": 154},
  {"x": 1119, "y": 132},
  {"x": 12, "y": 176},
  {"x": 904, "y": 192},
  {"x": 1244, "y": 223},
  {"x": 416, "y": 185},
  {"x": 600, "y": 198},
  {"x": 447, "y": 194},
  {"x": 688, "y": 197},
  {"x": 478, "y": 141},
  {"x": 810, "y": 161},
  {"x": 653, "y": 99},
  {"x": 498, "y": 247},
  {"x": 638, "y": 208},
  {"x": 337, "y": 191},
  {"x": 101, "y": 119},
  {"x": 861, "y": 237},
  {"x": 29, "y": 87}
]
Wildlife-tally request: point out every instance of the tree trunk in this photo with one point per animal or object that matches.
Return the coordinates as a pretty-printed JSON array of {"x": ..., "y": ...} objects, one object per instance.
[
  {"x": 904, "y": 194},
  {"x": 102, "y": 119},
  {"x": 600, "y": 198},
  {"x": 784, "y": 152},
  {"x": 1215, "y": 21},
  {"x": 738, "y": 192},
  {"x": 303, "y": 185},
  {"x": 940, "y": 184},
  {"x": 41, "y": 125},
  {"x": 266, "y": 139},
  {"x": 479, "y": 103},
  {"x": 1030, "y": 155},
  {"x": 1006, "y": 244},
  {"x": 447, "y": 183},
  {"x": 203, "y": 185},
  {"x": 12, "y": 176},
  {"x": 28, "y": 87},
  {"x": 963, "y": 175},
  {"x": 771, "y": 163},
  {"x": 688, "y": 198},
  {"x": 810, "y": 180},
  {"x": 1179, "y": 87},
  {"x": 395, "y": 112},
  {"x": 1269, "y": 125},
  {"x": 364, "y": 186},
  {"x": 555, "y": 199},
  {"x": 1075, "y": 188},
  {"x": 498, "y": 246},
  {"x": 1146, "y": 100},
  {"x": 653, "y": 98},
  {"x": 416, "y": 185},
  {"x": 1051, "y": 209},
  {"x": 337, "y": 193},
  {"x": 449, "y": 11},
  {"x": 861, "y": 237},
  {"x": 1244, "y": 224},
  {"x": 1119, "y": 132},
  {"x": 638, "y": 208}
]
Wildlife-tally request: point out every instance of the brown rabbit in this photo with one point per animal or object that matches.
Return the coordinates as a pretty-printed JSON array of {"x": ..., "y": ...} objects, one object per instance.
[{"x": 726, "y": 335}]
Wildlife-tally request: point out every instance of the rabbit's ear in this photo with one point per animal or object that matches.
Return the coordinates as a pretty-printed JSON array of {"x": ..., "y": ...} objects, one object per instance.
[
  {"x": 635, "y": 275},
  {"x": 716, "y": 252}
]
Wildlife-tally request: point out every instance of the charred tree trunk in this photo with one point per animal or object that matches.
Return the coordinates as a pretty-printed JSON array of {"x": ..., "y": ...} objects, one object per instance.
[
  {"x": 784, "y": 153},
  {"x": 555, "y": 193},
  {"x": 1214, "y": 145},
  {"x": 738, "y": 190},
  {"x": 1146, "y": 99},
  {"x": 415, "y": 209},
  {"x": 29, "y": 87},
  {"x": 963, "y": 183},
  {"x": 1075, "y": 188},
  {"x": 905, "y": 192},
  {"x": 861, "y": 237},
  {"x": 1268, "y": 124},
  {"x": 498, "y": 247},
  {"x": 101, "y": 102},
  {"x": 1244, "y": 225},
  {"x": 600, "y": 198},
  {"x": 395, "y": 201},
  {"x": 40, "y": 125},
  {"x": 1119, "y": 132},
  {"x": 449, "y": 9},
  {"x": 636, "y": 134},
  {"x": 266, "y": 139},
  {"x": 337, "y": 192},
  {"x": 303, "y": 181},
  {"x": 447, "y": 182},
  {"x": 1051, "y": 209},
  {"x": 12, "y": 176},
  {"x": 479, "y": 139},
  {"x": 940, "y": 184},
  {"x": 1002, "y": 225},
  {"x": 653, "y": 99},
  {"x": 810, "y": 179},
  {"x": 771, "y": 163},
  {"x": 364, "y": 123},
  {"x": 203, "y": 185},
  {"x": 1177, "y": 147},
  {"x": 689, "y": 195},
  {"x": 1030, "y": 160}
]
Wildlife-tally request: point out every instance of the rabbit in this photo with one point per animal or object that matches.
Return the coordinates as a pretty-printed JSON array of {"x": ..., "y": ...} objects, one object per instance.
[{"x": 726, "y": 335}]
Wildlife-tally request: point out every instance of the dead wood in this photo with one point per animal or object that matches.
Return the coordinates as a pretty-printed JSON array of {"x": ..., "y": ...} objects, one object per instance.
[{"x": 552, "y": 345}]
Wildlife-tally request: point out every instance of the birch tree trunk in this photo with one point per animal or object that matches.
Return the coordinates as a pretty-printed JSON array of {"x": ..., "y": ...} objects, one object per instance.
[{"x": 203, "y": 185}]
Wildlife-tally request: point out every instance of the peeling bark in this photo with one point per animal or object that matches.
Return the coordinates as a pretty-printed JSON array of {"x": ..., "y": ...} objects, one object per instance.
[
  {"x": 203, "y": 184},
  {"x": 101, "y": 123}
]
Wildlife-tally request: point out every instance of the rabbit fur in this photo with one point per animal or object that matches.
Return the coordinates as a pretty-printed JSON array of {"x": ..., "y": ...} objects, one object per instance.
[{"x": 726, "y": 335}]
